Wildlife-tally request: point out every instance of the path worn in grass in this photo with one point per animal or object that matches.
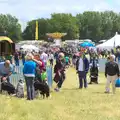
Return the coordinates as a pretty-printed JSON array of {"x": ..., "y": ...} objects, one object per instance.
[{"x": 69, "y": 104}]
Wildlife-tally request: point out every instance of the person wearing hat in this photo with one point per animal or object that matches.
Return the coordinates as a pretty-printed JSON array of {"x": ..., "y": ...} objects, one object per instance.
[
  {"x": 82, "y": 67},
  {"x": 59, "y": 71}
]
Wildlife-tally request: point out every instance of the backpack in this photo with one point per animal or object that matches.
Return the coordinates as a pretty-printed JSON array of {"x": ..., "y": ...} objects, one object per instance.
[{"x": 117, "y": 84}]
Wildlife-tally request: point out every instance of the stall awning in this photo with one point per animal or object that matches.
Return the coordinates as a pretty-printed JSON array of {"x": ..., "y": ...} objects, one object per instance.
[{"x": 4, "y": 38}]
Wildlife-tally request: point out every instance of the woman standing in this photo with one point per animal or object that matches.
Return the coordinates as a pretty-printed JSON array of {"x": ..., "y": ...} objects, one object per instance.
[
  {"x": 29, "y": 73},
  {"x": 59, "y": 71}
]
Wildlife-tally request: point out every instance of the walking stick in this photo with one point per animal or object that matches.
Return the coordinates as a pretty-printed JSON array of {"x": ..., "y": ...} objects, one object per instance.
[
  {"x": 0, "y": 84},
  {"x": 77, "y": 77}
]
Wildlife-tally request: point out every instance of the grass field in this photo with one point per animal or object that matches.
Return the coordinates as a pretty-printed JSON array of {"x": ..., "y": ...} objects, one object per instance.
[{"x": 69, "y": 104}]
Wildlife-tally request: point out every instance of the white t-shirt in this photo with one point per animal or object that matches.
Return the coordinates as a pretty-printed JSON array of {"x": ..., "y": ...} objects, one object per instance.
[
  {"x": 80, "y": 67},
  {"x": 44, "y": 57},
  {"x": 51, "y": 56}
]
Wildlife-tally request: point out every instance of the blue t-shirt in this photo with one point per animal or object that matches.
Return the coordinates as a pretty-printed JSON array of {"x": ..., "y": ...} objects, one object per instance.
[
  {"x": 4, "y": 70},
  {"x": 29, "y": 68}
]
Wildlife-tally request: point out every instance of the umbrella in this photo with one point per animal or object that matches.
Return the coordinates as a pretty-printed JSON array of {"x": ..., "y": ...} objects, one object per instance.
[{"x": 87, "y": 44}]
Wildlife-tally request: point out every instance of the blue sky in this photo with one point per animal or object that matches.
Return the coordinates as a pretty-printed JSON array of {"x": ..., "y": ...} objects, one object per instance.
[{"x": 26, "y": 10}]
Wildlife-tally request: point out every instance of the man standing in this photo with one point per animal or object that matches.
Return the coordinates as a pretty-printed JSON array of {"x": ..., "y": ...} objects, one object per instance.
[
  {"x": 82, "y": 67},
  {"x": 112, "y": 73},
  {"x": 51, "y": 58},
  {"x": 59, "y": 71},
  {"x": 16, "y": 58},
  {"x": 23, "y": 57},
  {"x": 6, "y": 70},
  {"x": 44, "y": 58}
]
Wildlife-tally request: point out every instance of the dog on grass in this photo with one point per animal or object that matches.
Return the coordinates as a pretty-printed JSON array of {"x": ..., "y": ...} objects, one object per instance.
[
  {"x": 6, "y": 86},
  {"x": 43, "y": 88},
  {"x": 20, "y": 89}
]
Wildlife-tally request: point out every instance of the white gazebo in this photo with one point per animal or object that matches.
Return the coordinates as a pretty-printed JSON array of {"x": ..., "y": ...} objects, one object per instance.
[
  {"x": 111, "y": 43},
  {"x": 57, "y": 37},
  {"x": 29, "y": 48}
]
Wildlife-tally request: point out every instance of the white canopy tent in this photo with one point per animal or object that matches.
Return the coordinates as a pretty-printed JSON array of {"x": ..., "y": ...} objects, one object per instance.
[
  {"x": 111, "y": 43},
  {"x": 102, "y": 41},
  {"x": 29, "y": 48},
  {"x": 87, "y": 40},
  {"x": 29, "y": 42}
]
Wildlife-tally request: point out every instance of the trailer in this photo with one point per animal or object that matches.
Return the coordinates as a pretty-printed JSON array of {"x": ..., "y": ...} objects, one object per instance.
[{"x": 7, "y": 46}]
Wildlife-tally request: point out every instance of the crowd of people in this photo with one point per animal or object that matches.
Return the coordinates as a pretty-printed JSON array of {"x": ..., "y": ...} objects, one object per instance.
[{"x": 84, "y": 60}]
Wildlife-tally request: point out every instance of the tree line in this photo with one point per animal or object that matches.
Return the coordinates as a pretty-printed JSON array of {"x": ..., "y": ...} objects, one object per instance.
[
  {"x": 88, "y": 25},
  {"x": 9, "y": 26}
]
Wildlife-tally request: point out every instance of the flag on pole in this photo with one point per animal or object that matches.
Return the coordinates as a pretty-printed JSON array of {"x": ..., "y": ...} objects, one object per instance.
[{"x": 36, "y": 31}]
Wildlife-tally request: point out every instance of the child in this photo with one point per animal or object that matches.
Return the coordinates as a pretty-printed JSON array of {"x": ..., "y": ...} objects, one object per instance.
[
  {"x": 67, "y": 60},
  {"x": 44, "y": 76}
]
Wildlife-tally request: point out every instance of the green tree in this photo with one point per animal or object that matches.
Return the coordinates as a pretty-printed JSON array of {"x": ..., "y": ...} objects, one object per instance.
[
  {"x": 58, "y": 23},
  {"x": 98, "y": 25},
  {"x": 90, "y": 25},
  {"x": 43, "y": 28},
  {"x": 29, "y": 32},
  {"x": 10, "y": 26},
  {"x": 64, "y": 23}
]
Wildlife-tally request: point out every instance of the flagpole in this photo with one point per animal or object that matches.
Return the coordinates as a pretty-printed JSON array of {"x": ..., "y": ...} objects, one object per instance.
[{"x": 36, "y": 31}]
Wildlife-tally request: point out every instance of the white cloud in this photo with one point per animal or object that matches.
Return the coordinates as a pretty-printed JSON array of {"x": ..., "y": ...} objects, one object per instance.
[{"x": 26, "y": 10}]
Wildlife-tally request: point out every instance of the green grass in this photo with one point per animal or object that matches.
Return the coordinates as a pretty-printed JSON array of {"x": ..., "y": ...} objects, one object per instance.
[{"x": 69, "y": 104}]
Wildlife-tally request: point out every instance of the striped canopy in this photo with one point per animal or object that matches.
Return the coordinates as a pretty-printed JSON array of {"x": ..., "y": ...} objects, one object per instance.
[{"x": 4, "y": 38}]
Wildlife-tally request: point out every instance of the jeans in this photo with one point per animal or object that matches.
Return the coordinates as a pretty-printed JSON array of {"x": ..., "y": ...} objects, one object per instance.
[
  {"x": 82, "y": 76},
  {"x": 30, "y": 87},
  {"x": 23, "y": 61},
  {"x": 45, "y": 64},
  {"x": 51, "y": 62},
  {"x": 17, "y": 62},
  {"x": 61, "y": 80}
]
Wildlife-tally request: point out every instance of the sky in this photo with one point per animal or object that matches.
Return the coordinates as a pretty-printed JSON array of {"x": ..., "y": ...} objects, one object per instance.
[{"x": 26, "y": 10}]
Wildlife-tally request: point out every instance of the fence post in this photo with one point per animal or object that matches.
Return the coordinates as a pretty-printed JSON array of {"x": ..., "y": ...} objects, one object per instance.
[
  {"x": 49, "y": 75},
  {"x": 15, "y": 77},
  {"x": 0, "y": 84}
]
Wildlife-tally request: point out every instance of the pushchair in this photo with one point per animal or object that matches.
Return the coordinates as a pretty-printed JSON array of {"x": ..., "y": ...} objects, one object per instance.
[{"x": 94, "y": 71}]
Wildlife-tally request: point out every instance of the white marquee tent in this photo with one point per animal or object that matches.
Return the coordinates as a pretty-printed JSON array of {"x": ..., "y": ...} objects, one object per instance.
[
  {"x": 29, "y": 48},
  {"x": 109, "y": 44},
  {"x": 102, "y": 41}
]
